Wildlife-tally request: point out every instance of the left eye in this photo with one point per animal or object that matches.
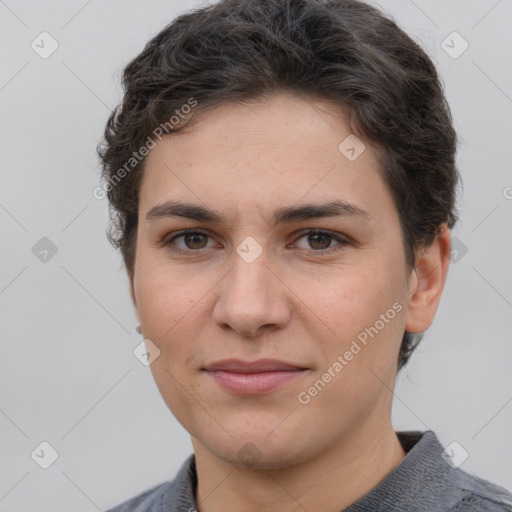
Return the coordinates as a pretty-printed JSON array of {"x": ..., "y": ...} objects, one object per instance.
[
  {"x": 321, "y": 239},
  {"x": 196, "y": 240}
]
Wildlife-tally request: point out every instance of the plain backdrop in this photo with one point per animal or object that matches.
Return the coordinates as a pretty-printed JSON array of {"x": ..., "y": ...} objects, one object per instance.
[{"x": 68, "y": 374}]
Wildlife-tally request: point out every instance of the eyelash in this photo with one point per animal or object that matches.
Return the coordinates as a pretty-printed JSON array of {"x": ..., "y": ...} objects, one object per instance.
[{"x": 342, "y": 242}]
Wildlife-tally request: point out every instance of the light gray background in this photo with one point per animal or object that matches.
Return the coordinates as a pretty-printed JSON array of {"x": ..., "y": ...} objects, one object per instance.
[{"x": 68, "y": 375}]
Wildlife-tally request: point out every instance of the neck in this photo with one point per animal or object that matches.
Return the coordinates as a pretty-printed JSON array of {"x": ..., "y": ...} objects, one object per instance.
[{"x": 329, "y": 482}]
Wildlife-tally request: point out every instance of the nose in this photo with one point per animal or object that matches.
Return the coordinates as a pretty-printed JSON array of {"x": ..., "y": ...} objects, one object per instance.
[{"x": 253, "y": 298}]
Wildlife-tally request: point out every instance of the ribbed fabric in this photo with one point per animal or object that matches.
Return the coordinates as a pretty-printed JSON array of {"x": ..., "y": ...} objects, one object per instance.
[{"x": 422, "y": 482}]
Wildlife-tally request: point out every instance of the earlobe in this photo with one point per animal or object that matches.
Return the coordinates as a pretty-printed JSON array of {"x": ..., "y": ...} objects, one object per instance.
[{"x": 427, "y": 281}]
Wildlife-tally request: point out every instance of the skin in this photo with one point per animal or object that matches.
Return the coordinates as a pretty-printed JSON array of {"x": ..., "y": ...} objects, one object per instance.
[{"x": 300, "y": 301}]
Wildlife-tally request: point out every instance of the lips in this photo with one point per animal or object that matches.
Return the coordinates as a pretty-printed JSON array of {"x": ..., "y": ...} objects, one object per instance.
[
  {"x": 253, "y": 378},
  {"x": 260, "y": 366}
]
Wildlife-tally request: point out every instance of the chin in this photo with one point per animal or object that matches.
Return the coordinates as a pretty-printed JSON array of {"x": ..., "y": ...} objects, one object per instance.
[{"x": 256, "y": 449}]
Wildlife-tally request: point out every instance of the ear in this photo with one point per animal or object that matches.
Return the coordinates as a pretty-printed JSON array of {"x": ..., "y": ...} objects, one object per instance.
[{"x": 426, "y": 282}]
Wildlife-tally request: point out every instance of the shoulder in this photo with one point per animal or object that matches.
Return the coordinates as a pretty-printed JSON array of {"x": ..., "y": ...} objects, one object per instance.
[
  {"x": 172, "y": 496},
  {"x": 475, "y": 493},
  {"x": 428, "y": 479}
]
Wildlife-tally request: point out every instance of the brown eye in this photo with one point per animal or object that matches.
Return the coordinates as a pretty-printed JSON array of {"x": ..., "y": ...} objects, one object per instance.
[
  {"x": 321, "y": 241},
  {"x": 193, "y": 241}
]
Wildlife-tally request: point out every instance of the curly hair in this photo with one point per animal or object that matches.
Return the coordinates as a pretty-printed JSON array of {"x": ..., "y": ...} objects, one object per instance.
[{"x": 341, "y": 50}]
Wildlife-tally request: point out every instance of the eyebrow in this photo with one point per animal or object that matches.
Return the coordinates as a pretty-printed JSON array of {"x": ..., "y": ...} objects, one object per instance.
[{"x": 286, "y": 214}]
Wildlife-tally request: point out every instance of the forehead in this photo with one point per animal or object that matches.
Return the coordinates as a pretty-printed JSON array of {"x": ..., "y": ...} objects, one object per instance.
[{"x": 283, "y": 149}]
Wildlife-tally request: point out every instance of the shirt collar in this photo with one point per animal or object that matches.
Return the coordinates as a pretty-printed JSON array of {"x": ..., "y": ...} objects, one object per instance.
[{"x": 417, "y": 479}]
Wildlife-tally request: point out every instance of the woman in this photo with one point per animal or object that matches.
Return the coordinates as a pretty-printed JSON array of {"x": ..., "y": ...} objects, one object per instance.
[{"x": 285, "y": 225}]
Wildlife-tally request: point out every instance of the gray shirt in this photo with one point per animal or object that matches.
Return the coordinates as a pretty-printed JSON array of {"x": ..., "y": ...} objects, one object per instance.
[{"x": 423, "y": 481}]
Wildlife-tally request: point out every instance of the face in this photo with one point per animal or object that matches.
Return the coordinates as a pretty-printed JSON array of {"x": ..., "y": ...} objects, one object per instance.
[{"x": 323, "y": 293}]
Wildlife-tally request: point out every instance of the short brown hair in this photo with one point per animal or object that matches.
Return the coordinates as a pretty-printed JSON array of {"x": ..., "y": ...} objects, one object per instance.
[{"x": 343, "y": 50}]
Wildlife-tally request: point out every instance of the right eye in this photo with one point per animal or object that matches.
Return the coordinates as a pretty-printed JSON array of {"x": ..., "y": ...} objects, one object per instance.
[{"x": 194, "y": 241}]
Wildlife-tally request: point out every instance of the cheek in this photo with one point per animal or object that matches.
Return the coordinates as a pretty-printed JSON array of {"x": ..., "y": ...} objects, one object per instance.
[
  {"x": 171, "y": 310},
  {"x": 169, "y": 305},
  {"x": 357, "y": 315},
  {"x": 179, "y": 394},
  {"x": 346, "y": 300},
  {"x": 167, "y": 296},
  {"x": 364, "y": 313}
]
